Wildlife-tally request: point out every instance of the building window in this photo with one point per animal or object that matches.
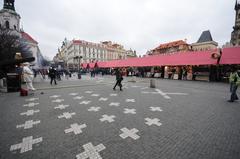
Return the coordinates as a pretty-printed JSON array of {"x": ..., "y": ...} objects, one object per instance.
[
  {"x": 15, "y": 27},
  {"x": 7, "y": 24}
]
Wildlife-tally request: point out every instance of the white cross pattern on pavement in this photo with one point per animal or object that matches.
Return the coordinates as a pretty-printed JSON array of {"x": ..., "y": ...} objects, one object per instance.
[
  {"x": 75, "y": 128},
  {"x": 30, "y": 112},
  {"x": 28, "y": 124},
  {"x": 109, "y": 118},
  {"x": 88, "y": 92},
  {"x": 135, "y": 86},
  {"x": 78, "y": 97},
  {"x": 129, "y": 111},
  {"x": 130, "y": 100},
  {"x": 94, "y": 109},
  {"x": 61, "y": 106},
  {"x": 30, "y": 104},
  {"x": 129, "y": 133},
  {"x": 85, "y": 102},
  {"x": 91, "y": 152},
  {"x": 31, "y": 99},
  {"x": 95, "y": 95},
  {"x": 58, "y": 100},
  {"x": 113, "y": 94},
  {"x": 103, "y": 99},
  {"x": 55, "y": 96},
  {"x": 114, "y": 104},
  {"x": 154, "y": 121},
  {"x": 67, "y": 115},
  {"x": 155, "y": 109},
  {"x": 144, "y": 88},
  {"x": 26, "y": 144},
  {"x": 73, "y": 94}
]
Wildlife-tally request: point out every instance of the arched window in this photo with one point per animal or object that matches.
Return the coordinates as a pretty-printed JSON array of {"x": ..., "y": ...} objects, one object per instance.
[
  {"x": 15, "y": 27},
  {"x": 7, "y": 24}
]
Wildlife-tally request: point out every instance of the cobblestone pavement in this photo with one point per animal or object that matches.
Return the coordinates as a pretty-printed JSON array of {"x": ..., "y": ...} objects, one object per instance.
[{"x": 177, "y": 120}]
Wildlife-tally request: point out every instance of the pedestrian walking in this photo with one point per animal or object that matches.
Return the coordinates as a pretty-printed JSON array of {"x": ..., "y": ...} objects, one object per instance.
[
  {"x": 28, "y": 76},
  {"x": 52, "y": 75},
  {"x": 119, "y": 79},
  {"x": 234, "y": 83}
]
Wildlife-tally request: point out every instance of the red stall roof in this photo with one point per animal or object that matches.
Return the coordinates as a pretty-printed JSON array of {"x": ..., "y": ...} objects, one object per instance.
[
  {"x": 84, "y": 65},
  {"x": 175, "y": 59},
  {"x": 230, "y": 56},
  {"x": 92, "y": 65},
  {"x": 101, "y": 64}
]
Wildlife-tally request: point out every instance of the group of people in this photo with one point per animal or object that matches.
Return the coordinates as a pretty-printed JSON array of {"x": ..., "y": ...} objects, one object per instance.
[{"x": 28, "y": 76}]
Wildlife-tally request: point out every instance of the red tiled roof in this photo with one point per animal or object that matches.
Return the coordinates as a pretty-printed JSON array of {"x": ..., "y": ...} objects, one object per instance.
[
  {"x": 230, "y": 56},
  {"x": 27, "y": 37},
  {"x": 171, "y": 44},
  {"x": 77, "y": 41}
]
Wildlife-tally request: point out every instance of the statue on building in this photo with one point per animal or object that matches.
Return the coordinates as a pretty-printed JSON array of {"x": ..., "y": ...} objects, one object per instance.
[{"x": 9, "y": 4}]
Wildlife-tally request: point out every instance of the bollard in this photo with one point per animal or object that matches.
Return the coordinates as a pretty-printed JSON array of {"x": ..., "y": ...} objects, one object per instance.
[{"x": 152, "y": 83}]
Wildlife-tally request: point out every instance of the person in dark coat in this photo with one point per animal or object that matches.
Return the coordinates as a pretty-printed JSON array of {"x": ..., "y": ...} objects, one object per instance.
[
  {"x": 52, "y": 75},
  {"x": 119, "y": 79}
]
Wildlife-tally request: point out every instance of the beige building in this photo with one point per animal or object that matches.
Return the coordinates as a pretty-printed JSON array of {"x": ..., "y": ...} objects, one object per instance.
[
  {"x": 79, "y": 51},
  {"x": 205, "y": 42}
]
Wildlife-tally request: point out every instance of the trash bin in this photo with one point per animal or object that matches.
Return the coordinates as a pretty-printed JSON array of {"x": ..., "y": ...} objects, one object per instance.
[
  {"x": 79, "y": 76},
  {"x": 152, "y": 83},
  {"x": 13, "y": 82}
]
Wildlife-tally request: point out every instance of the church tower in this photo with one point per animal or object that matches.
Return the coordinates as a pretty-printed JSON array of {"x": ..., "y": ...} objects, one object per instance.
[
  {"x": 9, "y": 18},
  {"x": 235, "y": 37}
]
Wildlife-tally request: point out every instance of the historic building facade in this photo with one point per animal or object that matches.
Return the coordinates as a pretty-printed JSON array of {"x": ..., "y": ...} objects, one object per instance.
[
  {"x": 205, "y": 42},
  {"x": 235, "y": 36},
  {"x": 10, "y": 19},
  {"x": 175, "y": 46},
  {"x": 79, "y": 51}
]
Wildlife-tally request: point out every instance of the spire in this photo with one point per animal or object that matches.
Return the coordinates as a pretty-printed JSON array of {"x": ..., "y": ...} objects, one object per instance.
[
  {"x": 237, "y": 5},
  {"x": 9, "y": 4}
]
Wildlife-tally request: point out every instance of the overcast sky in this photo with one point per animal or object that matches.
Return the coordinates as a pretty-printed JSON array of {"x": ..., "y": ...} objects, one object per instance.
[{"x": 138, "y": 24}]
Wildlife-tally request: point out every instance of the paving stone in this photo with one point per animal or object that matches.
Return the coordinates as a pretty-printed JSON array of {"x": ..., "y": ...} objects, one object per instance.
[
  {"x": 91, "y": 152},
  {"x": 129, "y": 111},
  {"x": 154, "y": 121},
  {"x": 31, "y": 99},
  {"x": 94, "y": 109},
  {"x": 30, "y": 104},
  {"x": 75, "y": 128},
  {"x": 26, "y": 144},
  {"x": 28, "y": 124},
  {"x": 109, "y": 118},
  {"x": 58, "y": 100},
  {"x": 61, "y": 106},
  {"x": 130, "y": 100},
  {"x": 85, "y": 102},
  {"x": 156, "y": 109},
  {"x": 129, "y": 133},
  {"x": 115, "y": 104},
  {"x": 103, "y": 99},
  {"x": 66, "y": 115},
  {"x": 78, "y": 97},
  {"x": 30, "y": 112}
]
